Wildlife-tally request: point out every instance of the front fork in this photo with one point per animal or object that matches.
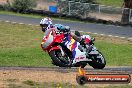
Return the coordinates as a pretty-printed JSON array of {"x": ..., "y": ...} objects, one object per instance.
[
  {"x": 62, "y": 52},
  {"x": 94, "y": 51}
]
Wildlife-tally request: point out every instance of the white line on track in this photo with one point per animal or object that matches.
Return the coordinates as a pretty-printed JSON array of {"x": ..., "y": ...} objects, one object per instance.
[
  {"x": 14, "y": 22},
  {"x": 30, "y": 24},
  {"x": 21, "y": 23},
  {"x": 102, "y": 34},
  {"x": 116, "y": 36},
  {"x": 122, "y": 37},
  {"x": 129, "y": 38},
  {"x": 79, "y": 31},
  {"x": 7, "y": 21},
  {"x": 95, "y": 33},
  {"x": 110, "y": 35}
]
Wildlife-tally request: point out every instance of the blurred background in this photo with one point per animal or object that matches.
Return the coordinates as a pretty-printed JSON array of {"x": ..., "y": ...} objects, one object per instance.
[{"x": 110, "y": 10}]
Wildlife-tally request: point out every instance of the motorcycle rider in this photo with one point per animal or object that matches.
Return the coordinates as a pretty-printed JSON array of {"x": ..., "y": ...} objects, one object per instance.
[{"x": 46, "y": 23}]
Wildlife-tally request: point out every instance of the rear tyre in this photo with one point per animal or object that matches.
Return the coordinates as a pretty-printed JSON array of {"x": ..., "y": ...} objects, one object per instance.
[
  {"x": 98, "y": 62},
  {"x": 58, "y": 59}
]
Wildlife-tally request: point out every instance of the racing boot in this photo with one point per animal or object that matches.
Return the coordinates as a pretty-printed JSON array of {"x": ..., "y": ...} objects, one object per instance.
[
  {"x": 89, "y": 49},
  {"x": 82, "y": 42}
]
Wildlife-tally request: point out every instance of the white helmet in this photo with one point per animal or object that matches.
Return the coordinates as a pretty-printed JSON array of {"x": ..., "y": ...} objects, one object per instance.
[{"x": 45, "y": 23}]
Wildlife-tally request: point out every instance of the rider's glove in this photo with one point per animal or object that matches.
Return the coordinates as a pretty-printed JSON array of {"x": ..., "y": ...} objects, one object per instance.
[{"x": 66, "y": 29}]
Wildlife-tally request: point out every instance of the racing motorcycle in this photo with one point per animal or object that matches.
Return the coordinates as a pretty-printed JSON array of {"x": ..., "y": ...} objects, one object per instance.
[{"x": 66, "y": 52}]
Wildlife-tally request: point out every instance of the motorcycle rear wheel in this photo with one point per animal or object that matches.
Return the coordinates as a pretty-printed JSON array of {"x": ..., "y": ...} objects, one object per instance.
[{"x": 58, "y": 59}]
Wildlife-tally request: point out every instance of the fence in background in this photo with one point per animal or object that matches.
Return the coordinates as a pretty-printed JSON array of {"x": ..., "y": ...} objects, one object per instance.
[
  {"x": 85, "y": 10},
  {"x": 93, "y": 10}
]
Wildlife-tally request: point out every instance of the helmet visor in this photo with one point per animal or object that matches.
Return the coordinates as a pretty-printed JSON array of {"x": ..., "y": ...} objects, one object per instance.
[{"x": 44, "y": 26}]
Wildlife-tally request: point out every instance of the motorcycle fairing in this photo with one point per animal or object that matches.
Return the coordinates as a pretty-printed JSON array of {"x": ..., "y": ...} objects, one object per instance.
[
  {"x": 72, "y": 45},
  {"x": 94, "y": 51},
  {"x": 47, "y": 40},
  {"x": 50, "y": 37},
  {"x": 80, "y": 56}
]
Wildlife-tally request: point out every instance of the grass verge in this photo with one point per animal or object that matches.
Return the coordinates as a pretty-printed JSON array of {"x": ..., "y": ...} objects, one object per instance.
[
  {"x": 20, "y": 46},
  {"x": 19, "y": 14},
  {"x": 115, "y": 3},
  {"x": 32, "y": 84}
]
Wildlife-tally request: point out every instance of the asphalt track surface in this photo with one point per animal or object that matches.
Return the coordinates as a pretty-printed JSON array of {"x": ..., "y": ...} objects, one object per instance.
[
  {"x": 86, "y": 27},
  {"x": 111, "y": 30},
  {"x": 122, "y": 69}
]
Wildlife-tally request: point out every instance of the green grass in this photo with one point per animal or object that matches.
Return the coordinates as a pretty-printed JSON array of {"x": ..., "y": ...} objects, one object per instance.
[
  {"x": 116, "y": 54},
  {"x": 33, "y": 84},
  {"x": 115, "y": 3},
  {"x": 19, "y": 14},
  {"x": 119, "y": 86},
  {"x": 20, "y": 46}
]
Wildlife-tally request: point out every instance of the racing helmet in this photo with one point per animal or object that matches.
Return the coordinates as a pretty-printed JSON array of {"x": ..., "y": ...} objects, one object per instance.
[
  {"x": 45, "y": 23},
  {"x": 61, "y": 27}
]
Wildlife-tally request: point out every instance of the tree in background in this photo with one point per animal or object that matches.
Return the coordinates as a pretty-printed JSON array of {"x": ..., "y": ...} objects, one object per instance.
[
  {"x": 126, "y": 12},
  {"x": 22, "y": 6}
]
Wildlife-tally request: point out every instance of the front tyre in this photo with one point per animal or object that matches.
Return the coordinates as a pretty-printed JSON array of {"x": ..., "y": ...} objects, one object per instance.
[
  {"x": 98, "y": 61},
  {"x": 59, "y": 59}
]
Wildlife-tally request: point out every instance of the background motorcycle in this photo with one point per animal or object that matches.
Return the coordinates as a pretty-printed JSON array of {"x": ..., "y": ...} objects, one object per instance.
[{"x": 66, "y": 52}]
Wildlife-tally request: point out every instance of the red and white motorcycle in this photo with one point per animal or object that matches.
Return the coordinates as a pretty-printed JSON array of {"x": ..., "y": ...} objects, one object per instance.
[{"x": 66, "y": 52}]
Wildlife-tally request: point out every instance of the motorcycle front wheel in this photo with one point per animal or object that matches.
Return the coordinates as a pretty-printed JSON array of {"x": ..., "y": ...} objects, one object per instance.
[
  {"x": 98, "y": 61},
  {"x": 59, "y": 59}
]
